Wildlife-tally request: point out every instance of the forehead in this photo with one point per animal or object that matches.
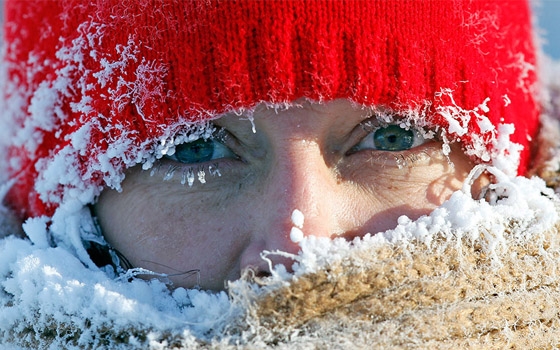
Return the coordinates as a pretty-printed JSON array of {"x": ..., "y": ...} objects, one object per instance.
[{"x": 339, "y": 112}]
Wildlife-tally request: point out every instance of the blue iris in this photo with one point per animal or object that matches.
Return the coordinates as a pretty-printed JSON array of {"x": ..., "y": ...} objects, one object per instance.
[
  {"x": 393, "y": 138},
  {"x": 198, "y": 151}
]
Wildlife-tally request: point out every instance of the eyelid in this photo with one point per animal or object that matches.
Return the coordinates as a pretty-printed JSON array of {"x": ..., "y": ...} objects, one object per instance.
[
  {"x": 361, "y": 130},
  {"x": 227, "y": 139}
]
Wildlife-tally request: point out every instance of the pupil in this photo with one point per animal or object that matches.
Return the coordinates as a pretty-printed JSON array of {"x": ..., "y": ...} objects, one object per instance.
[
  {"x": 198, "y": 151},
  {"x": 393, "y": 138}
]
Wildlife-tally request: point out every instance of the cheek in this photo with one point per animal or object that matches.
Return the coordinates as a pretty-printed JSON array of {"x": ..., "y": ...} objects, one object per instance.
[
  {"x": 387, "y": 192},
  {"x": 164, "y": 229}
]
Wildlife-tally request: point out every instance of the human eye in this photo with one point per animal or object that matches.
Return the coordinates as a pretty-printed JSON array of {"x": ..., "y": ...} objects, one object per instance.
[
  {"x": 392, "y": 138},
  {"x": 200, "y": 151}
]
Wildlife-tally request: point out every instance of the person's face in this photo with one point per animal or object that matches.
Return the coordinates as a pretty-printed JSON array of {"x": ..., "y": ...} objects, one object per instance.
[{"x": 347, "y": 174}]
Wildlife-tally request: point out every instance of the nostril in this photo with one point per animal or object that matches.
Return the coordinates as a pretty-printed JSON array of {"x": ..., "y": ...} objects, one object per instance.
[
  {"x": 350, "y": 235},
  {"x": 255, "y": 274},
  {"x": 262, "y": 274}
]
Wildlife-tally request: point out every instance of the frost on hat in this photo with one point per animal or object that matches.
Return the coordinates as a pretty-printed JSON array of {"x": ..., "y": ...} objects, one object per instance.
[{"x": 93, "y": 88}]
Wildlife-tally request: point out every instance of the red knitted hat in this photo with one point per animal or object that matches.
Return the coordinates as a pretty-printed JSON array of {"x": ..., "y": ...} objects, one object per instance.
[{"x": 95, "y": 87}]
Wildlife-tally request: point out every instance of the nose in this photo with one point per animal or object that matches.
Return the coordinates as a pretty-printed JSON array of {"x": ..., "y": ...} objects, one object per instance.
[{"x": 300, "y": 196}]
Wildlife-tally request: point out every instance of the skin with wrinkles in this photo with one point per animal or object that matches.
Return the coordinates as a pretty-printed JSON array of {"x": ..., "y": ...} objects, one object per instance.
[{"x": 311, "y": 158}]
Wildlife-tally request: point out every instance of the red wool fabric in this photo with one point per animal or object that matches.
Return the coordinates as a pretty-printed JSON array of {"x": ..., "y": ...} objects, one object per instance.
[{"x": 184, "y": 61}]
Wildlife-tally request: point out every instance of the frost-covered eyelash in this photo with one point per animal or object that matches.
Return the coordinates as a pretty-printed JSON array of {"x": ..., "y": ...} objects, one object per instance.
[
  {"x": 407, "y": 160},
  {"x": 189, "y": 174},
  {"x": 401, "y": 159},
  {"x": 373, "y": 123},
  {"x": 166, "y": 146}
]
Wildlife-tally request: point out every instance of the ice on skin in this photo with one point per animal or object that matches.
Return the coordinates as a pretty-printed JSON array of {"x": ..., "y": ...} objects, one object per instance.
[{"x": 296, "y": 234}]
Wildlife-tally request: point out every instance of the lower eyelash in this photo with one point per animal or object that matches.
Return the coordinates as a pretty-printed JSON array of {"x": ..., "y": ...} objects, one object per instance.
[
  {"x": 169, "y": 173},
  {"x": 407, "y": 160},
  {"x": 189, "y": 174},
  {"x": 400, "y": 160}
]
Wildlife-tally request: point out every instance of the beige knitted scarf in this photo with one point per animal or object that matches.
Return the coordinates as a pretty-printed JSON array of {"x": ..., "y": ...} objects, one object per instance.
[{"x": 447, "y": 295}]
